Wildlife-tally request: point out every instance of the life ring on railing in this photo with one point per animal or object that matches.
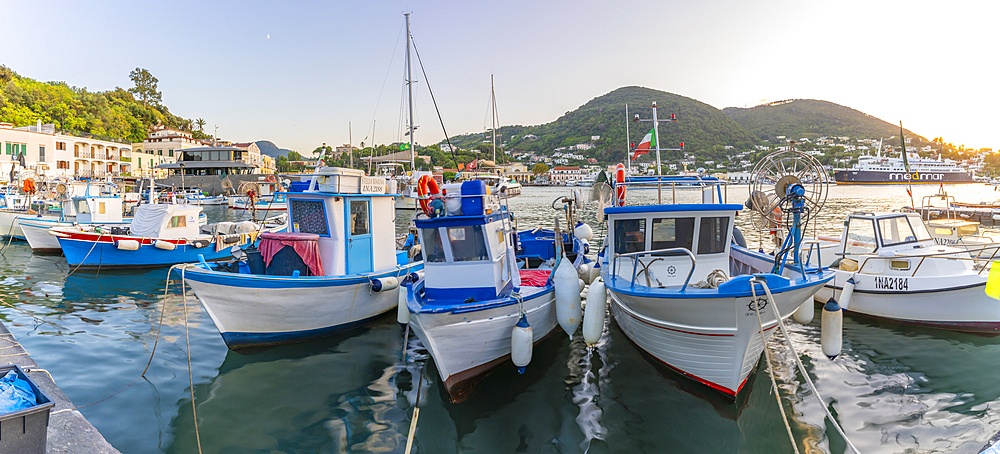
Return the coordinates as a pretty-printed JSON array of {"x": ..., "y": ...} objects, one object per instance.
[
  {"x": 619, "y": 186},
  {"x": 270, "y": 179},
  {"x": 776, "y": 213},
  {"x": 29, "y": 186},
  {"x": 427, "y": 188}
]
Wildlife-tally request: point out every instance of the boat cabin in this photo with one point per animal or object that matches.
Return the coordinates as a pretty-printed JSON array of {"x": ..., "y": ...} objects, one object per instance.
[
  {"x": 161, "y": 220},
  {"x": 951, "y": 231},
  {"x": 669, "y": 245},
  {"x": 91, "y": 204},
  {"x": 871, "y": 232},
  {"x": 353, "y": 218},
  {"x": 468, "y": 254}
]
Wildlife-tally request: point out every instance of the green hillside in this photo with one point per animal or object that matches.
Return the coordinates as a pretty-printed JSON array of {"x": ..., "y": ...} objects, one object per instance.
[
  {"x": 702, "y": 128},
  {"x": 808, "y": 118}
]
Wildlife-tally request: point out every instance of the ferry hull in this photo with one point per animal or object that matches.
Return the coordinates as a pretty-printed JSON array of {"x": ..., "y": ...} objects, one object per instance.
[
  {"x": 262, "y": 310},
  {"x": 468, "y": 345},
  {"x": 893, "y": 177}
]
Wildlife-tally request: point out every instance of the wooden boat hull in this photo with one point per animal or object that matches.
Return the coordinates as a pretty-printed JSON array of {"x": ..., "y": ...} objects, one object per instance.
[{"x": 260, "y": 310}]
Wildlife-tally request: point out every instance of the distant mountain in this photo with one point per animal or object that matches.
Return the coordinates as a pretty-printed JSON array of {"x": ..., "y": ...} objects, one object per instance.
[
  {"x": 269, "y": 148},
  {"x": 808, "y": 118},
  {"x": 699, "y": 126}
]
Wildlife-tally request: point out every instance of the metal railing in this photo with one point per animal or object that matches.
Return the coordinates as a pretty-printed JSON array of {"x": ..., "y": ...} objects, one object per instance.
[{"x": 638, "y": 260}]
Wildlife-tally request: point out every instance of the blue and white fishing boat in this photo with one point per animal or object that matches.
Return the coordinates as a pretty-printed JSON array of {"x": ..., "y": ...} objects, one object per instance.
[
  {"x": 259, "y": 196},
  {"x": 674, "y": 293},
  {"x": 196, "y": 197},
  {"x": 158, "y": 235},
  {"x": 94, "y": 205},
  {"x": 477, "y": 296},
  {"x": 333, "y": 268}
]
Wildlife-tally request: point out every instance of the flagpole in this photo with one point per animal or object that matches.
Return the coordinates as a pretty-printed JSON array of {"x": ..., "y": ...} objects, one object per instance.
[
  {"x": 656, "y": 137},
  {"x": 628, "y": 145},
  {"x": 906, "y": 166}
]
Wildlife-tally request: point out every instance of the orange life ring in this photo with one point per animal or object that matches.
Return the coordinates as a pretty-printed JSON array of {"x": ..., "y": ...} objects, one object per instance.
[
  {"x": 427, "y": 189},
  {"x": 777, "y": 220},
  {"x": 270, "y": 178},
  {"x": 619, "y": 187},
  {"x": 29, "y": 185}
]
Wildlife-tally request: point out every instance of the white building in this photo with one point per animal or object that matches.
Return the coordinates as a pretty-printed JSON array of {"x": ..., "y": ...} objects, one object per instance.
[
  {"x": 161, "y": 146},
  {"x": 49, "y": 152}
]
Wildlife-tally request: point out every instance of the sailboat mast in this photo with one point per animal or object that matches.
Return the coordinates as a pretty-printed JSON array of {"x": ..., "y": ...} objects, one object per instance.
[
  {"x": 493, "y": 102},
  {"x": 409, "y": 86}
]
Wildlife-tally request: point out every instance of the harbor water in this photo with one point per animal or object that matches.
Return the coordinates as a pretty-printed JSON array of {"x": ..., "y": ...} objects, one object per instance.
[{"x": 894, "y": 389}]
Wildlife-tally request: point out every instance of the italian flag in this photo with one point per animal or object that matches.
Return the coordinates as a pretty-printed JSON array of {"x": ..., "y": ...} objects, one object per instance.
[{"x": 647, "y": 142}]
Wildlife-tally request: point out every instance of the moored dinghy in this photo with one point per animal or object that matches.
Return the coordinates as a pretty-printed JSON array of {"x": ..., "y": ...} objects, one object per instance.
[
  {"x": 335, "y": 267},
  {"x": 474, "y": 306}
]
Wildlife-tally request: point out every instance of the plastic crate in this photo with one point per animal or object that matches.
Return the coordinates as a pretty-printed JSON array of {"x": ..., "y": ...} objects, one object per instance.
[{"x": 25, "y": 431}]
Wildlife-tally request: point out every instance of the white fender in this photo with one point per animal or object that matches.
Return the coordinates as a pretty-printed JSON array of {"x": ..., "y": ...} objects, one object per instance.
[
  {"x": 402, "y": 312},
  {"x": 583, "y": 231},
  {"x": 521, "y": 343},
  {"x": 567, "y": 296},
  {"x": 832, "y": 329},
  {"x": 165, "y": 245},
  {"x": 593, "y": 319},
  {"x": 804, "y": 314},
  {"x": 384, "y": 284},
  {"x": 128, "y": 245},
  {"x": 584, "y": 272},
  {"x": 845, "y": 296},
  {"x": 595, "y": 272}
]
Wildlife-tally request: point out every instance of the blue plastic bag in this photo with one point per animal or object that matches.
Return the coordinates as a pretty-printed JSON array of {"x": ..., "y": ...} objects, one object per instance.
[{"x": 15, "y": 393}]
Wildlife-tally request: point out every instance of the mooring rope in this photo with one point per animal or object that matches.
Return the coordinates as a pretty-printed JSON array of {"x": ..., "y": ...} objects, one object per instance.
[
  {"x": 187, "y": 343},
  {"x": 770, "y": 369}
]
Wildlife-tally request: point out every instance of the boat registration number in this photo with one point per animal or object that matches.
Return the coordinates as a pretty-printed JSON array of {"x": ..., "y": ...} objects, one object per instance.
[{"x": 892, "y": 283}]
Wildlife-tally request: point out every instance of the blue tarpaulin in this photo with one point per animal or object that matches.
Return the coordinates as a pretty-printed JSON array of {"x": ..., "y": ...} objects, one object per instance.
[{"x": 15, "y": 393}]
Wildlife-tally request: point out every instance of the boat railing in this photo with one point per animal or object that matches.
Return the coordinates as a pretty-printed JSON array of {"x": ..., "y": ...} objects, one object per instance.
[
  {"x": 635, "y": 269},
  {"x": 978, "y": 260},
  {"x": 658, "y": 182}
]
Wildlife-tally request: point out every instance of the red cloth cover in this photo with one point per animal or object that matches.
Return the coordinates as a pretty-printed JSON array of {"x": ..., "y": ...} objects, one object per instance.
[
  {"x": 305, "y": 244},
  {"x": 534, "y": 278}
]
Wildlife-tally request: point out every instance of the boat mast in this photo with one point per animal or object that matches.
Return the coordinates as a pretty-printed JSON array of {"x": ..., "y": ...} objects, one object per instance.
[
  {"x": 409, "y": 86},
  {"x": 493, "y": 102},
  {"x": 628, "y": 145},
  {"x": 656, "y": 137}
]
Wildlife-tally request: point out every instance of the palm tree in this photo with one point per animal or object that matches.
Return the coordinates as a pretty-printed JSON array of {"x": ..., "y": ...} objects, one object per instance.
[{"x": 201, "y": 124}]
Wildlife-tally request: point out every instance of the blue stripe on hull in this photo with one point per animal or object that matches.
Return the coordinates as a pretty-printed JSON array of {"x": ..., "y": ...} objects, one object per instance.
[
  {"x": 86, "y": 254},
  {"x": 245, "y": 340}
]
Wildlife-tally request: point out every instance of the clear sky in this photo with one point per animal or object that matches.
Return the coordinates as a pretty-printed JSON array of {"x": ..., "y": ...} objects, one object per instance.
[{"x": 298, "y": 73}]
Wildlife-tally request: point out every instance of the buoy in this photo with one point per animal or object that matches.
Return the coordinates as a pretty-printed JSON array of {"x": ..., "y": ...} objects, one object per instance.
[
  {"x": 583, "y": 231},
  {"x": 582, "y": 285},
  {"x": 402, "y": 312},
  {"x": 804, "y": 314},
  {"x": 567, "y": 285},
  {"x": 595, "y": 271},
  {"x": 845, "y": 296},
  {"x": 832, "y": 329},
  {"x": 521, "y": 343},
  {"x": 128, "y": 245},
  {"x": 593, "y": 319},
  {"x": 165, "y": 245},
  {"x": 385, "y": 283}
]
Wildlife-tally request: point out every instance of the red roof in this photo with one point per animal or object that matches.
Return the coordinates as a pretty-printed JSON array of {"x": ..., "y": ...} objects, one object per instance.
[{"x": 567, "y": 168}]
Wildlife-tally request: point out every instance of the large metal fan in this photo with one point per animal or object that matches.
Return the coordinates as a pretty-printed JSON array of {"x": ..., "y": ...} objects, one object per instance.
[{"x": 773, "y": 175}]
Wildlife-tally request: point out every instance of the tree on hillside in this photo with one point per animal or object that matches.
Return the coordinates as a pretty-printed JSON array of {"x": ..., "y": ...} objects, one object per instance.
[
  {"x": 540, "y": 169},
  {"x": 145, "y": 87}
]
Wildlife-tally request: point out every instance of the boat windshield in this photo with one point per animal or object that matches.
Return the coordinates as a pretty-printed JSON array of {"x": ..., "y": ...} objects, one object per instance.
[
  {"x": 467, "y": 243},
  {"x": 630, "y": 235},
  {"x": 712, "y": 238},
  {"x": 860, "y": 237},
  {"x": 672, "y": 233},
  {"x": 433, "y": 249},
  {"x": 896, "y": 230},
  {"x": 920, "y": 229}
]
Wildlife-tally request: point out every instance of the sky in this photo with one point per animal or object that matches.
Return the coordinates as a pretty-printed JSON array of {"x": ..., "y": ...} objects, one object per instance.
[{"x": 305, "y": 73}]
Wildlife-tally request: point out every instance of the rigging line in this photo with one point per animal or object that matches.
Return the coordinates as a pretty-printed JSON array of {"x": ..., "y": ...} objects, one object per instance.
[
  {"x": 438, "y": 111},
  {"x": 384, "y": 81},
  {"x": 187, "y": 343}
]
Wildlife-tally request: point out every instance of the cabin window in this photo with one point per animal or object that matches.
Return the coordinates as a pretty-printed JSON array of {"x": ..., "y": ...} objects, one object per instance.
[
  {"x": 713, "y": 235},
  {"x": 177, "y": 221},
  {"x": 81, "y": 207},
  {"x": 970, "y": 229},
  {"x": 432, "y": 247},
  {"x": 359, "y": 217},
  {"x": 860, "y": 236},
  {"x": 672, "y": 233},
  {"x": 310, "y": 215},
  {"x": 896, "y": 230},
  {"x": 468, "y": 243},
  {"x": 101, "y": 208},
  {"x": 943, "y": 231},
  {"x": 630, "y": 235}
]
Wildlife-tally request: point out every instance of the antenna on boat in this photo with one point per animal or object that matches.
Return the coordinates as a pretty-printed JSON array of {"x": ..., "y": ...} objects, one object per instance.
[{"x": 656, "y": 133}]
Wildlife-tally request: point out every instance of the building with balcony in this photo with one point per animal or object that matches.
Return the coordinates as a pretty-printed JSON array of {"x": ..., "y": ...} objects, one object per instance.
[
  {"x": 251, "y": 155},
  {"x": 51, "y": 152},
  {"x": 161, "y": 146}
]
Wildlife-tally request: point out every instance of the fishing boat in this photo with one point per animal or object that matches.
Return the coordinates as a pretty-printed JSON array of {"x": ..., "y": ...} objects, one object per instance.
[
  {"x": 334, "y": 267},
  {"x": 673, "y": 291},
  {"x": 57, "y": 207},
  {"x": 469, "y": 324},
  {"x": 97, "y": 207},
  {"x": 196, "y": 197},
  {"x": 158, "y": 235},
  {"x": 259, "y": 196}
]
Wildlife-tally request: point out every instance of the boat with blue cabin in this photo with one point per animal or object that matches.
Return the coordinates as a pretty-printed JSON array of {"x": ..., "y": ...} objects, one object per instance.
[
  {"x": 484, "y": 287},
  {"x": 334, "y": 267}
]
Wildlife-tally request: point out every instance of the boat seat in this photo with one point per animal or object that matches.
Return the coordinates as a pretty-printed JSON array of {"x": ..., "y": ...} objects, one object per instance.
[{"x": 534, "y": 278}]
